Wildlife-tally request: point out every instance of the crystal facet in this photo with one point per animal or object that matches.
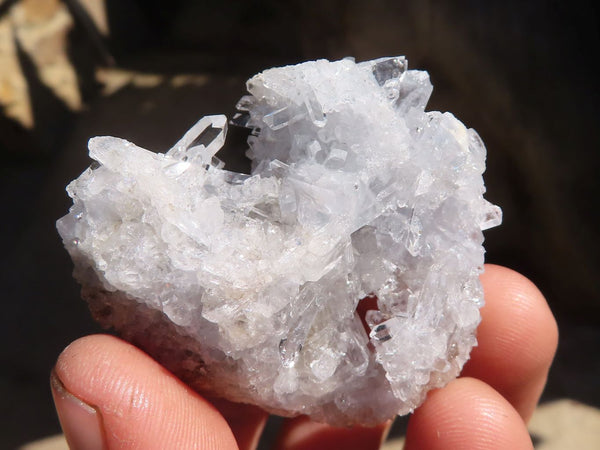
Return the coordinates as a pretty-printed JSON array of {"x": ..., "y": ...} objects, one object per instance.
[{"x": 248, "y": 286}]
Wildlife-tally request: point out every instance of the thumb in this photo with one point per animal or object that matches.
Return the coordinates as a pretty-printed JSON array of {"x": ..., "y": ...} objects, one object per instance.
[{"x": 109, "y": 394}]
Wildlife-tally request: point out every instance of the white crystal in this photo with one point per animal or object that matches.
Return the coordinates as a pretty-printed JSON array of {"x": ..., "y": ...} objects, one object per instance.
[{"x": 248, "y": 285}]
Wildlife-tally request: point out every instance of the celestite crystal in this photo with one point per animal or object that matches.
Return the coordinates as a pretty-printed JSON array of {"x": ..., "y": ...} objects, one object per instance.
[{"x": 247, "y": 286}]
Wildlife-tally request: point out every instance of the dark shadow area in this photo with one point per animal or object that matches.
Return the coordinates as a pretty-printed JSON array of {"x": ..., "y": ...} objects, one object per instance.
[
  {"x": 521, "y": 74},
  {"x": 15, "y": 141},
  {"x": 5, "y": 7},
  {"x": 85, "y": 28},
  {"x": 50, "y": 115},
  {"x": 87, "y": 50}
]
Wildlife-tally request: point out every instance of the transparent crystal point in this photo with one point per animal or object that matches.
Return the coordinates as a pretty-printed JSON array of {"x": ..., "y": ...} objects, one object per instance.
[{"x": 201, "y": 142}]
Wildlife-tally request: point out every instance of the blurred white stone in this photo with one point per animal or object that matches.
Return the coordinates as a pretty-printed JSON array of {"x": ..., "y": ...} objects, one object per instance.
[{"x": 248, "y": 285}]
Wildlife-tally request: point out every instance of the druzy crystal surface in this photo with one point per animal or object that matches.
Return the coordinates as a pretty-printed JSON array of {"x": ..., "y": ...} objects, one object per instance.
[{"x": 247, "y": 286}]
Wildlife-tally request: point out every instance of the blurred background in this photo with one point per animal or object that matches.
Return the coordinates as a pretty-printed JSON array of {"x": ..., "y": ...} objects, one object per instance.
[{"x": 523, "y": 74}]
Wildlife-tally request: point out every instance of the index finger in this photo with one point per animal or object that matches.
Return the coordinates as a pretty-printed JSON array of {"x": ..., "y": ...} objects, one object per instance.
[{"x": 517, "y": 337}]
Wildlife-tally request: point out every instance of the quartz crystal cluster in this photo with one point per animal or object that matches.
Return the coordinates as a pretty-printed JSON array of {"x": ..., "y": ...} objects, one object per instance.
[{"x": 247, "y": 286}]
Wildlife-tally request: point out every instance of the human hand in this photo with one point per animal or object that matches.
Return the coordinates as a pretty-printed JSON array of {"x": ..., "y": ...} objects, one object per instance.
[{"x": 109, "y": 394}]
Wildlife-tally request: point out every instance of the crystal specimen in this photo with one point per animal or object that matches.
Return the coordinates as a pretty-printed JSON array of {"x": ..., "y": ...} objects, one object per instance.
[{"x": 248, "y": 286}]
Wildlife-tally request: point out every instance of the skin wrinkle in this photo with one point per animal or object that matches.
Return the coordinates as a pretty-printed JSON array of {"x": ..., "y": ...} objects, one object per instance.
[
  {"x": 133, "y": 399},
  {"x": 188, "y": 425},
  {"x": 487, "y": 412},
  {"x": 484, "y": 420},
  {"x": 174, "y": 428},
  {"x": 518, "y": 331},
  {"x": 123, "y": 442}
]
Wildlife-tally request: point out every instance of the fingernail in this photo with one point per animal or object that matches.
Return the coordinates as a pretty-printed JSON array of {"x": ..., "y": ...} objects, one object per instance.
[{"x": 81, "y": 423}]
